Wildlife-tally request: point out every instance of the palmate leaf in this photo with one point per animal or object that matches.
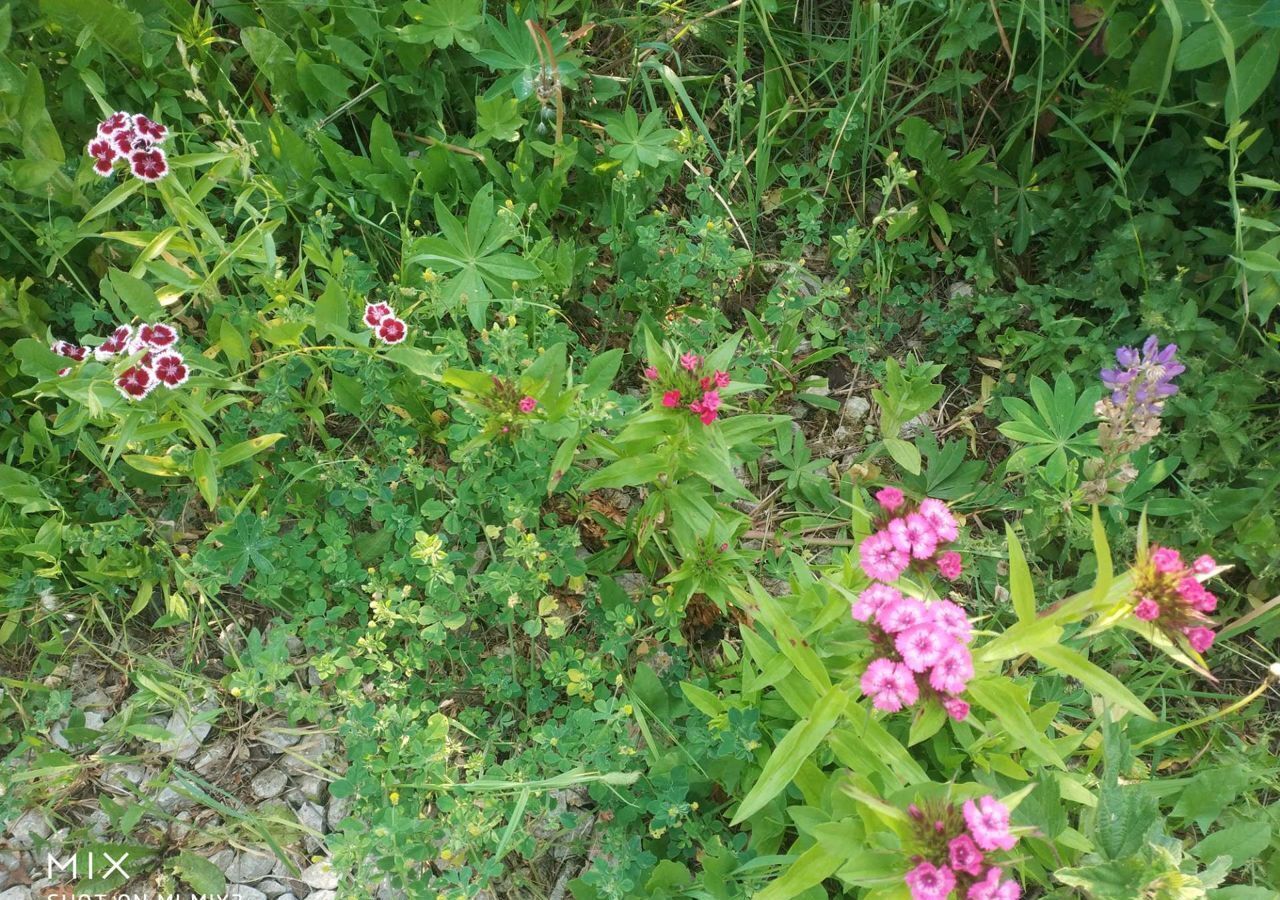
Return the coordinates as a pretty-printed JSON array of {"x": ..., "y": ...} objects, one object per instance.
[
  {"x": 443, "y": 23},
  {"x": 472, "y": 254},
  {"x": 517, "y": 57},
  {"x": 639, "y": 144}
]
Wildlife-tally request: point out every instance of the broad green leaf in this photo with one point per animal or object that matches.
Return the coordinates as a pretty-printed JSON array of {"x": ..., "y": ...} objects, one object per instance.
[
  {"x": 1008, "y": 703},
  {"x": 811, "y": 868},
  {"x": 331, "y": 312},
  {"x": 136, "y": 296},
  {"x": 904, "y": 454},
  {"x": 1103, "y": 683},
  {"x": 792, "y": 751},
  {"x": 201, "y": 876},
  {"x": 164, "y": 466},
  {"x": 229, "y": 456}
]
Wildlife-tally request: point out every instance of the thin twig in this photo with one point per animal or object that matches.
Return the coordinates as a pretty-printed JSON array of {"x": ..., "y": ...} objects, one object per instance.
[{"x": 436, "y": 142}]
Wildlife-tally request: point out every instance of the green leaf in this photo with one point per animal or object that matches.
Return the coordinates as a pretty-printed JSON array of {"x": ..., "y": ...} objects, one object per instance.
[
  {"x": 1241, "y": 842},
  {"x": 136, "y": 296},
  {"x": 1255, "y": 72},
  {"x": 792, "y": 751},
  {"x": 146, "y": 732},
  {"x": 812, "y": 867},
  {"x": 904, "y": 454},
  {"x": 629, "y": 472},
  {"x": 1103, "y": 683},
  {"x": 204, "y": 470},
  {"x": 201, "y": 876},
  {"x": 640, "y": 144},
  {"x": 1008, "y": 703},
  {"x": 1020, "y": 586},
  {"x": 331, "y": 311},
  {"x": 443, "y": 23},
  {"x": 236, "y": 453},
  {"x": 163, "y": 466},
  {"x": 419, "y": 362}
]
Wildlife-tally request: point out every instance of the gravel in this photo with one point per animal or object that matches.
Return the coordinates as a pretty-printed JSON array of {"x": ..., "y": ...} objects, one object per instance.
[
  {"x": 268, "y": 783},
  {"x": 319, "y": 876}
]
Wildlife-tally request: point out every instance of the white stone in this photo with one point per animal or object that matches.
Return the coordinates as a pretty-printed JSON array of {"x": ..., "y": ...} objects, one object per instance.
[
  {"x": 247, "y": 867},
  {"x": 313, "y": 788},
  {"x": 20, "y": 892},
  {"x": 188, "y": 734},
  {"x": 214, "y": 754},
  {"x": 855, "y": 409},
  {"x": 244, "y": 892},
  {"x": 319, "y": 876},
  {"x": 268, "y": 783},
  {"x": 272, "y": 888},
  {"x": 338, "y": 809},
  {"x": 30, "y": 825}
]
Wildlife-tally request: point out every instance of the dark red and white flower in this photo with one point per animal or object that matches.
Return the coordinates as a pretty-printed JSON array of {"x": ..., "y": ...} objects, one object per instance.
[
  {"x": 104, "y": 155},
  {"x": 117, "y": 343},
  {"x": 115, "y": 123},
  {"x": 149, "y": 130},
  {"x": 391, "y": 330},
  {"x": 149, "y": 165},
  {"x": 170, "y": 369},
  {"x": 376, "y": 312},
  {"x": 135, "y": 383},
  {"x": 69, "y": 350},
  {"x": 158, "y": 335}
]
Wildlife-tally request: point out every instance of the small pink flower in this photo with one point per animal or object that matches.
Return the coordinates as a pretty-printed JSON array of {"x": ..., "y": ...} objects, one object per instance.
[
  {"x": 872, "y": 599},
  {"x": 711, "y": 401},
  {"x": 1203, "y": 565},
  {"x": 158, "y": 336},
  {"x": 651, "y": 373},
  {"x": 374, "y": 313},
  {"x": 170, "y": 369},
  {"x": 671, "y": 399},
  {"x": 135, "y": 383},
  {"x": 1166, "y": 560},
  {"x": 528, "y": 404},
  {"x": 890, "y": 685},
  {"x": 1147, "y": 610},
  {"x": 991, "y": 888},
  {"x": 707, "y": 416},
  {"x": 889, "y": 498},
  {"x": 956, "y": 708},
  {"x": 149, "y": 130},
  {"x": 950, "y": 619},
  {"x": 391, "y": 330},
  {"x": 898, "y": 615},
  {"x": 1200, "y": 638},
  {"x": 913, "y": 534},
  {"x": 691, "y": 361},
  {"x": 950, "y": 565},
  {"x": 149, "y": 165},
  {"x": 936, "y": 513},
  {"x": 953, "y": 670},
  {"x": 929, "y": 882},
  {"x": 988, "y": 821},
  {"x": 920, "y": 646},
  {"x": 721, "y": 379},
  {"x": 880, "y": 559},
  {"x": 963, "y": 853}
]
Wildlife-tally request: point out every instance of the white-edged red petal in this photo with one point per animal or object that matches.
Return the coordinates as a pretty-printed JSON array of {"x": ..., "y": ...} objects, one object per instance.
[
  {"x": 135, "y": 383},
  {"x": 170, "y": 369},
  {"x": 392, "y": 330},
  {"x": 158, "y": 335},
  {"x": 149, "y": 165},
  {"x": 376, "y": 312},
  {"x": 149, "y": 130},
  {"x": 114, "y": 123}
]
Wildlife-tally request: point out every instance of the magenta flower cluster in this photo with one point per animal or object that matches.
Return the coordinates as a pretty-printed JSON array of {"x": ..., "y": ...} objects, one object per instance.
[
  {"x": 703, "y": 386},
  {"x": 160, "y": 363},
  {"x": 386, "y": 326},
  {"x": 133, "y": 139},
  {"x": 910, "y": 537},
  {"x": 953, "y": 848},
  {"x": 923, "y": 651},
  {"x": 1168, "y": 593}
]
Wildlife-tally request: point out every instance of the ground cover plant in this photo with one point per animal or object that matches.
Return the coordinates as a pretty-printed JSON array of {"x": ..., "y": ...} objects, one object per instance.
[{"x": 591, "y": 450}]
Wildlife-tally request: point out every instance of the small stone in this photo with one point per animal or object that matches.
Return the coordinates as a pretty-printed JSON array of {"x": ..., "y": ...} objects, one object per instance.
[
  {"x": 244, "y": 892},
  {"x": 21, "y": 892},
  {"x": 123, "y": 776},
  {"x": 319, "y": 876},
  {"x": 855, "y": 409},
  {"x": 914, "y": 426},
  {"x": 268, "y": 783},
  {"x": 278, "y": 738},
  {"x": 294, "y": 645},
  {"x": 313, "y": 788},
  {"x": 272, "y": 888},
  {"x": 313, "y": 750},
  {"x": 959, "y": 289},
  {"x": 212, "y": 756},
  {"x": 322, "y": 895},
  {"x": 311, "y": 816},
  {"x": 180, "y": 827},
  {"x": 188, "y": 733},
  {"x": 29, "y": 826},
  {"x": 247, "y": 867},
  {"x": 286, "y": 897},
  {"x": 338, "y": 809},
  {"x": 96, "y": 699}
]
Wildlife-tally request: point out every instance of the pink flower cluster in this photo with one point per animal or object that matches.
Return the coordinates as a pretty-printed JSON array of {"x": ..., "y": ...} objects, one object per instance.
[
  {"x": 133, "y": 138},
  {"x": 386, "y": 327},
  {"x": 923, "y": 651},
  {"x": 953, "y": 845},
  {"x": 1169, "y": 594},
  {"x": 160, "y": 362},
  {"x": 908, "y": 537},
  {"x": 692, "y": 382}
]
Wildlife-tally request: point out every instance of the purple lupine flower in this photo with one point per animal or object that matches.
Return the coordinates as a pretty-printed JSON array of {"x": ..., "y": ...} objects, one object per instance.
[{"x": 1146, "y": 379}]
